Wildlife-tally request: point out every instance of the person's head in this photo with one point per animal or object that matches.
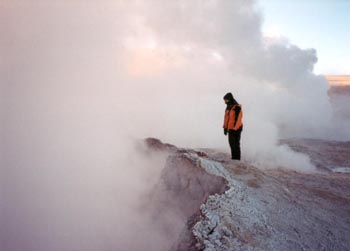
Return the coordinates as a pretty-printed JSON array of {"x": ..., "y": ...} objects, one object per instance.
[{"x": 228, "y": 98}]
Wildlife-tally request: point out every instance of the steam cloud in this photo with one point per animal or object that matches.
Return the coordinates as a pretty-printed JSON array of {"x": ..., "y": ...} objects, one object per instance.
[{"x": 81, "y": 80}]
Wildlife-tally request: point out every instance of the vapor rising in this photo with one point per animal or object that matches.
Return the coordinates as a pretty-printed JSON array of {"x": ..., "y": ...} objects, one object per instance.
[{"x": 81, "y": 81}]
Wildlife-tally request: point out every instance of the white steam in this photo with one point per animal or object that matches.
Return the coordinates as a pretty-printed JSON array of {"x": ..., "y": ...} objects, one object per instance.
[{"x": 81, "y": 79}]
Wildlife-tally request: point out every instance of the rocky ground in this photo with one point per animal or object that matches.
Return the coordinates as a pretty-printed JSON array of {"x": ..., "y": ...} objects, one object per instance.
[
  {"x": 229, "y": 205},
  {"x": 326, "y": 155}
]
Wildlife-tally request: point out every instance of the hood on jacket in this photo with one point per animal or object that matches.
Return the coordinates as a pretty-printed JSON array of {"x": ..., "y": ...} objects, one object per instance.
[{"x": 231, "y": 100}]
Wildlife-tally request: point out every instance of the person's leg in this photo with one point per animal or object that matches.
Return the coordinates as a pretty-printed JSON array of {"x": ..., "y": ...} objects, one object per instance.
[
  {"x": 238, "y": 145},
  {"x": 236, "y": 148},
  {"x": 231, "y": 141}
]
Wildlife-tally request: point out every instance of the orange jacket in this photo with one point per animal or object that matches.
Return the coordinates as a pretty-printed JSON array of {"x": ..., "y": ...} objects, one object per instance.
[{"x": 233, "y": 118}]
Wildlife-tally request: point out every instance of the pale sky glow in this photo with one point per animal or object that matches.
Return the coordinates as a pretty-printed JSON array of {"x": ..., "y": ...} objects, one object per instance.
[
  {"x": 272, "y": 31},
  {"x": 319, "y": 24}
]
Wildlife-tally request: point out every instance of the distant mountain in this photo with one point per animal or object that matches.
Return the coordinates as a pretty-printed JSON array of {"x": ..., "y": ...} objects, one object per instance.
[
  {"x": 340, "y": 99},
  {"x": 343, "y": 90}
]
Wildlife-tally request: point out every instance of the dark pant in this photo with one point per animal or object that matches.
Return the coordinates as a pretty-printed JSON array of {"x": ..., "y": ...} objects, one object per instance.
[{"x": 234, "y": 138}]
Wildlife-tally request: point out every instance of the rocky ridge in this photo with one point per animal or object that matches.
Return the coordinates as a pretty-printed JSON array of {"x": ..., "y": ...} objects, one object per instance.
[{"x": 230, "y": 205}]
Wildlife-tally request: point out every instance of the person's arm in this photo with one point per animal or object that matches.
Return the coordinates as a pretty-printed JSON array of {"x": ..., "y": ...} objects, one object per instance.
[
  {"x": 237, "y": 111},
  {"x": 224, "y": 126}
]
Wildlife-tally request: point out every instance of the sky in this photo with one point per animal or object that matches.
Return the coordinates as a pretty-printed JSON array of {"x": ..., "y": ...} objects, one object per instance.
[{"x": 319, "y": 24}]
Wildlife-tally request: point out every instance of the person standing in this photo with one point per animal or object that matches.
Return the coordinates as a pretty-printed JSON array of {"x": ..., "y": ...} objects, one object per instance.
[{"x": 233, "y": 125}]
